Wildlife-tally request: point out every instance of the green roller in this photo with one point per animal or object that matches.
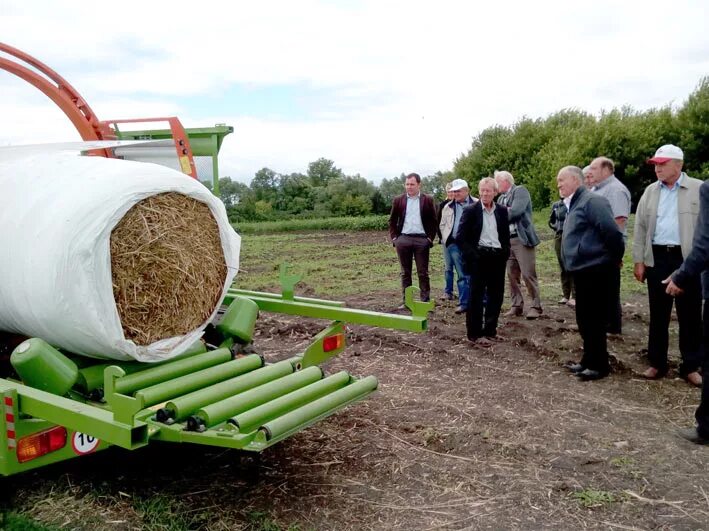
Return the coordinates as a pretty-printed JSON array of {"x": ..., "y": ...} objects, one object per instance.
[
  {"x": 321, "y": 407},
  {"x": 239, "y": 319},
  {"x": 218, "y": 412},
  {"x": 91, "y": 377},
  {"x": 41, "y": 366},
  {"x": 190, "y": 382},
  {"x": 253, "y": 418},
  {"x": 161, "y": 373},
  {"x": 182, "y": 407}
]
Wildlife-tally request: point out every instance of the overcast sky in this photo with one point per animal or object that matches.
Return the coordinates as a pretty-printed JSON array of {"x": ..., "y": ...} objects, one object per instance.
[{"x": 379, "y": 87}]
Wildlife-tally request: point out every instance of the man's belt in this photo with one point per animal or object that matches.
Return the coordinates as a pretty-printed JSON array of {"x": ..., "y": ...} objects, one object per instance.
[{"x": 667, "y": 248}]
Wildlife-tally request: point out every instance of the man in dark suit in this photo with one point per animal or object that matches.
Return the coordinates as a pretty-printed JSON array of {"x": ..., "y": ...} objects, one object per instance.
[
  {"x": 697, "y": 262},
  {"x": 592, "y": 248},
  {"x": 484, "y": 239},
  {"x": 412, "y": 227}
]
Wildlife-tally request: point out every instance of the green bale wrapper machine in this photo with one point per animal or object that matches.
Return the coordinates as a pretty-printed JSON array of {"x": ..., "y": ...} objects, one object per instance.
[
  {"x": 219, "y": 393},
  {"x": 59, "y": 406}
]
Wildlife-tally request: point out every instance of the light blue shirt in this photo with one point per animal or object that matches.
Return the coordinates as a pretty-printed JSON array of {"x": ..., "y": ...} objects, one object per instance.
[
  {"x": 458, "y": 212},
  {"x": 412, "y": 220},
  {"x": 667, "y": 225}
]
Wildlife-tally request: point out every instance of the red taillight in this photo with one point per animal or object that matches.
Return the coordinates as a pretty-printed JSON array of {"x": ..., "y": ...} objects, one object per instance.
[
  {"x": 42, "y": 443},
  {"x": 331, "y": 343}
]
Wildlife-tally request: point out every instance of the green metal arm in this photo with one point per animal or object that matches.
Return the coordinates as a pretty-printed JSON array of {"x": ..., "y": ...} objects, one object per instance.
[
  {"x": 411, "y": 323},
  {"x": 289, "y": 304}
]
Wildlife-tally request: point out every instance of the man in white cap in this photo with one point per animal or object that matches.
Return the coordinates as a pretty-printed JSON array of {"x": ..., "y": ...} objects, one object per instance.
[
  {"x": 450, "y": 222},
  {"x": 664, "y": 227}
]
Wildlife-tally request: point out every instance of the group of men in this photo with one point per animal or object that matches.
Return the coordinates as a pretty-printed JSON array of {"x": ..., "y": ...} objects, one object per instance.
[
  {"x": 483, "y": 238},
  {"x": 480, "y": 239}
]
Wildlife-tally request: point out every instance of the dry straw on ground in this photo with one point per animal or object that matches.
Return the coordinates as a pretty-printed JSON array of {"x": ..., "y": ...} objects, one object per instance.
[{"x": 168, "y": 267}]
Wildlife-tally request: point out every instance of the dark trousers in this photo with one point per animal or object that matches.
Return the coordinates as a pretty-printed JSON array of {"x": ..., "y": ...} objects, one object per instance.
[
  {"x": 408, "y": 249},
  {"x": 615, "y": 312},
  {"x": 702, "y": 413},
  {"x": 593, "y": 297},
  {"x": 689, "y": 313},
  {"x": 487, "y": 283},
  {"x": 567, "y": 280}
]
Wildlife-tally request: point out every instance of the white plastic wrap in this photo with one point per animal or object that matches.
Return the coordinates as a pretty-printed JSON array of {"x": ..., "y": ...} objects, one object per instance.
[{"x": 57, "y": 212}]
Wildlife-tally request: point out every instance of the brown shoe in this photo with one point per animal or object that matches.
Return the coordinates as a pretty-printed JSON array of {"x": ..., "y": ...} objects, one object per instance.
[
  {"x": 694, "y": 378},
  {"x": 515, "y": 311},
  {"x": 534, "y": 313},
  {"x": 651, "y": 373},
  {"x": 483, "y": 342}
]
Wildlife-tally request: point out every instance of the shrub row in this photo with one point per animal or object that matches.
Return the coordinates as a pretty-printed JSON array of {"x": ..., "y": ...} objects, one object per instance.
[{"x": 294, "y": 225}]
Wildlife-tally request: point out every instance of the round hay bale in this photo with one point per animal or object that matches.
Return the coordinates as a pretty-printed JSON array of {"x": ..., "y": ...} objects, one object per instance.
[{"x": 168, "y": 267}]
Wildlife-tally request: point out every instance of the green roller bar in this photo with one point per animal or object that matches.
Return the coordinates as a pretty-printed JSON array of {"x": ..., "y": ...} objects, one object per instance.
[
  {"x": 318, "y": 408},
  {"x": 253, "y": 418},
  {"x": 197, "y": 380},
  {"x": 182, "y": 407},
  {"x": 218, "y": 412},
  {"x": 139, "y": 380},
  {"x": 91, "y": 377}
]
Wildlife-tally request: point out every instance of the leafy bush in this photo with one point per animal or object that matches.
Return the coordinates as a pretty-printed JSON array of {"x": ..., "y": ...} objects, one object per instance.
[{"x": 352, "y": 224}]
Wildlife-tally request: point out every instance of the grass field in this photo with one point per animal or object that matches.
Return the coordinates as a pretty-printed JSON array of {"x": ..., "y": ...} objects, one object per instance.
[{"x": 357, "y": 263}]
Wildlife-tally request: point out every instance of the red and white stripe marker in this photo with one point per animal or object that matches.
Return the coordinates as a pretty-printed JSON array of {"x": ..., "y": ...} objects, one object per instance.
[{"x": 10, "y": 423}]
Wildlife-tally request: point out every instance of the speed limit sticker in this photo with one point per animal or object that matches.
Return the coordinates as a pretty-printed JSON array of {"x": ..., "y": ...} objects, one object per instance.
[{"x": 83, "y": 443}]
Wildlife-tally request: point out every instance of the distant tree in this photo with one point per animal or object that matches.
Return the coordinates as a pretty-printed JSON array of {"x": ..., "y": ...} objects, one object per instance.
[
  {"x": 322, "y": 171},
  {"x": 436, "y": 184},
  {"x": 295, "y": 193},
  {"x": 390, "y": 188},
  {"x": 379, "y": 204},
  {"x": 349, "y": 196},
  {"x": 232, "y": 192},
  {"x": 265, "y": 185},
  {"x": 693, "y": 124}
]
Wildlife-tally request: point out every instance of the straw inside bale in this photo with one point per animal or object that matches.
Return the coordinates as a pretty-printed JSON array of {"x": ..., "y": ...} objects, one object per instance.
[{"x": 167, "y": 266}]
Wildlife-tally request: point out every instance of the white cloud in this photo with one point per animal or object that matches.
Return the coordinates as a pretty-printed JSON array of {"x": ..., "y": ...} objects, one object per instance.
[{"x": 415, "y": 81}]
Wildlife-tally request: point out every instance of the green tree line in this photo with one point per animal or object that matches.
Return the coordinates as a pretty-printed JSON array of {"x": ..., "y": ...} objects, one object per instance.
[
  {"x": 533, "y": 150},
  {"x": 324, "y": 191}
]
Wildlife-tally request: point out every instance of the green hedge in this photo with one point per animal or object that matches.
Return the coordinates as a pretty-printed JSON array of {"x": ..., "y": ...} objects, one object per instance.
[{"x": 295, "y": 225}]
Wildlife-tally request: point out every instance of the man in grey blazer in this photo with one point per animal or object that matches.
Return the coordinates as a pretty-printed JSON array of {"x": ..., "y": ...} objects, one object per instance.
[
  {"x": 697, "y": 262},
  {"x": 664, "y": 227},
  {"x": 523, "y": 239}
]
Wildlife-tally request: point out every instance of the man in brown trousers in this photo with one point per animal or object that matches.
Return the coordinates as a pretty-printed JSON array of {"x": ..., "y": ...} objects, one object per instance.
[{"x": 412, "y": 228}]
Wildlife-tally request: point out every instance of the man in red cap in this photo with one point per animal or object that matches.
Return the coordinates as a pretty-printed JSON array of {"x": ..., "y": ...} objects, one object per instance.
[{"x": 664, "y": 227}]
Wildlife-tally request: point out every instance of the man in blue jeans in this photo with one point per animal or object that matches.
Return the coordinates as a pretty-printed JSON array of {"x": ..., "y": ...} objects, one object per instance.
[
  {"x": 450, "y": 222},
  {"x": 448, "y": 294}
]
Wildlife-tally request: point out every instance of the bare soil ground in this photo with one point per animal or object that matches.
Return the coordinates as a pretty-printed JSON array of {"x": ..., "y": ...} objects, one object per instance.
[{"x": 456, "y": 437}]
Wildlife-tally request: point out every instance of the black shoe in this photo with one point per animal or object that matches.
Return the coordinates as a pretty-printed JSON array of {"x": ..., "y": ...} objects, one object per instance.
[
  {"x": 692, "y": 435},
  {"x": 575, "y": 368},
  {"x": 587, "y": 375}
]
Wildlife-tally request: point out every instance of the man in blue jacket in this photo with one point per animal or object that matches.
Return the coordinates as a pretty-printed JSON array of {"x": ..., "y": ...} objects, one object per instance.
[
  {"x": 697, "y": 261},
  {"x": 592, "y": 248}
]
